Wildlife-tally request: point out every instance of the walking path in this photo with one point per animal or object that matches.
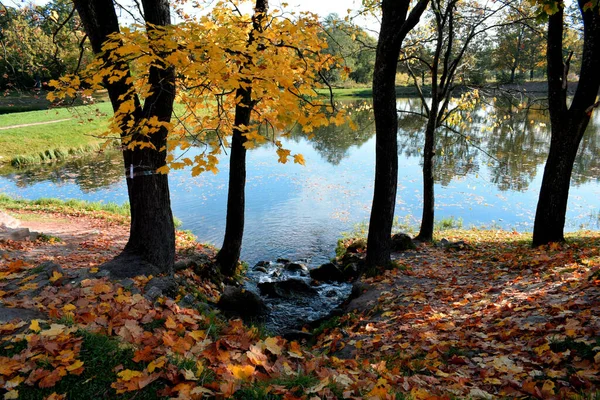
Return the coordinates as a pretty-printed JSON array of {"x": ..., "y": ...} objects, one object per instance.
[{"x": 3, "y": 128}]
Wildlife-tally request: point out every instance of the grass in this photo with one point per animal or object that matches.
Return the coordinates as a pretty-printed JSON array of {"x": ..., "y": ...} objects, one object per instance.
[
  {"x": 100, "y": 355},
  {"x": 39, "y": 143},
  {"x": 63, "y": 206}
]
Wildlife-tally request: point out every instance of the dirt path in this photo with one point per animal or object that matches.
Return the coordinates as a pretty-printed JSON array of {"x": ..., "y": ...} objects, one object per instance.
[
  {"x": 79, "y": 237},
  {"x": 4, "y": 128}
]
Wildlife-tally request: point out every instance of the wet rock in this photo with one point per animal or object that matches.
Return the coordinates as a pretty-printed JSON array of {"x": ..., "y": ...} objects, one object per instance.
[
  {"x": 262, "y": 264},
  {"x": 286, "y": 289},
  {"x": 351, "y": 271},
  {"x": 283, "y": 261},
  {"x": 240, "y": 302},
  {"x": 165, "y": 284},
  {"x": 351, "y": 258},
  {"x": 260, "y": 269},
  {"x": 402, "y": 242},
  {"x": 296, "y": 267},
  {"x": 276, "y": 273},
  {"x": 327, "y": 273}
]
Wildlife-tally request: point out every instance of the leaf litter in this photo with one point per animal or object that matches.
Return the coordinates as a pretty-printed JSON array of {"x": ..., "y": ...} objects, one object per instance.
[{"x": 493, "y": 319}]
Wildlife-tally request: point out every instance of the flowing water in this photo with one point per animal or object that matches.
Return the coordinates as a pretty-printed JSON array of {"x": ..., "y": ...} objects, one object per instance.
[{"x": 486, "y": 176}]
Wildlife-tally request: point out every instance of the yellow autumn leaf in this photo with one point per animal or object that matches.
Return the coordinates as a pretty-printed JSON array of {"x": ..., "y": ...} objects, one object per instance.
[
  {"x": 69, "y": 307},
  {"x": 548, "y": 388},
  {"x": 55, "y": 330},
  {"x": 128, "y": 374},
  {"x": 299, "y": 159},
  {"x": 35, "y": 325},
  {"x": 272, "y": 346},
  {"x": 76, "y": 365},
  {"x": 55, "y": 276},
  {"x": 12, "y": 394},
  {"x": 158, "y": 363},
  {"x": 241, "y": 372}
]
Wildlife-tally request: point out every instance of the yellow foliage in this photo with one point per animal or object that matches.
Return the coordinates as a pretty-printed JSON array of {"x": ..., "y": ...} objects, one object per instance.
[{"x": 213, "y": 58}]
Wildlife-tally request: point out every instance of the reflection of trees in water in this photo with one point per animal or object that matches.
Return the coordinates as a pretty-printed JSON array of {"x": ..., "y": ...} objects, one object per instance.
[
  {"x": 513, "y": 147},
  {"x": 89, "y": 172},
  {"x": 333, "y": 142}
]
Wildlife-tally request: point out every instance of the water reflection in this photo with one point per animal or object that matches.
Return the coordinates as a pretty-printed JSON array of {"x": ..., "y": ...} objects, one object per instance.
[{"x": 90, "y": 172}]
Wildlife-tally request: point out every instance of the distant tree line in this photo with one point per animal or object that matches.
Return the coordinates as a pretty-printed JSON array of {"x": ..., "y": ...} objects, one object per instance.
[{"x": 39, "y": 43}]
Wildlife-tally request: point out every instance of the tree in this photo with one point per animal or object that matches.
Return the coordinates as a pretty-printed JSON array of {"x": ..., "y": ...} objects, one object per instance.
[
  {"x": 396, "y": 23},
  {"x": 520, "y": 43},
  {"x": 568, "y": 123},
  {"x": 151, "y": 244},
  {"x": 39, "y": 43},
  {"x": 354, "y": 46},
  {"x": 235, "y": 82},
  {"x": 454, "y": 30},
  {"x": 229, "y": 254}
]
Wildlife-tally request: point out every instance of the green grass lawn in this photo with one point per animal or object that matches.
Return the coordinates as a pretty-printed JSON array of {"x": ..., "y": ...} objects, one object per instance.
[{"x": 30, "y": 144}]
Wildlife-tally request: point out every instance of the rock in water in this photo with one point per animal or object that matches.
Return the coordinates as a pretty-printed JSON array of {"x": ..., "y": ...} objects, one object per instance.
[
  {"x": 327, "y": 273},
  {"x": 287, "y": 289},
  {"x": 241, "y": 302}
]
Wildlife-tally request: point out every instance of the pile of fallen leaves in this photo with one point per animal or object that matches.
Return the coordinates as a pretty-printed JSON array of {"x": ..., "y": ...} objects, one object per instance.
[{"x": 493, "y": 318}]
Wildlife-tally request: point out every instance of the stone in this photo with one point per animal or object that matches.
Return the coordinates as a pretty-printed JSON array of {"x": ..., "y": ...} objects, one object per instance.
[
  {"x": 18, "y": 235},
  {"x": 327, "y": 273},
  {"x": 448, "y": 245},
  {"x": 241, "y": 302},
  {"x": 402, "y": 242},
  {"x": 103, "y": 273},
  {"x": 167, "y": 285},
  {"x": 153, "y": 293},
  {"x": 296, "y": 267},
  {"x": 351, "y": 258},
  {"x": 127, "y": 283},
  {"x": 262, "y": 264},
  {"x": 296, "y": 334},
  {"x": 283, "y": 261},
  {"x": 188, "y": 301},
  {"x": 47, "y": 270},
  {"x": 23, "y": 314},
  {"x": 8, "y": 222},
  {"x": 287, "y": 289},
  {"x": 351, "y": 271},
  {"x": 260, "y": 269}
]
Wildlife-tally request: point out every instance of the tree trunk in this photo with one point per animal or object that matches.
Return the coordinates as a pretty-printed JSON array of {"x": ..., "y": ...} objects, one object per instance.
[
  {"x": 394, "y": 28},
  {"x": 554, "y": 193},
  {"x": 568, "y": 123},
  {"x": 229, "y": 255},
  {"x": 427, "y": 220},
  {"x": 151, "y": 244}
]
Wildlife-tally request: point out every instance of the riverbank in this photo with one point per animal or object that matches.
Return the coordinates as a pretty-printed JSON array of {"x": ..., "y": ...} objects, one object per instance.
[{"x": 478, "y": 316}]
